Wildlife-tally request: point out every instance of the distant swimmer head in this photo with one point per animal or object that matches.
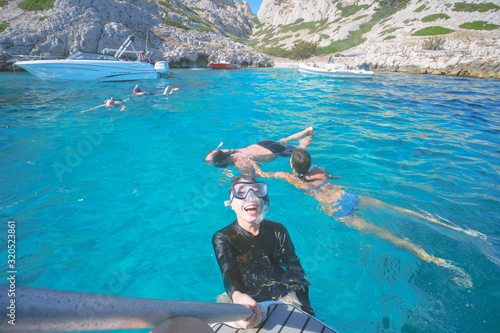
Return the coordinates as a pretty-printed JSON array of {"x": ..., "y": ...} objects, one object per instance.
[
  {"x": 252, "y": 198},
  {"x": 137, "y": 89},
  {"x": 300, "y": 161},
  {"x": 220, "y": 158}
]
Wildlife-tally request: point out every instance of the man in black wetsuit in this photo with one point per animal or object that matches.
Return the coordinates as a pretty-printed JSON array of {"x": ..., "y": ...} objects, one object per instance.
[{"x": 256, "y": 256}]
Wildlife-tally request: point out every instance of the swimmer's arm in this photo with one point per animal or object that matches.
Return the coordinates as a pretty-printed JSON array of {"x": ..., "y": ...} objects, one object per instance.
[
  {"x": 257, "y": 170},
  {"x": 260, "y": 173},
  {"x": 281, "y": 175},
  {"x": 277, "y": 175},
  {"x": 327, "y": 174},
  {"x": 246, "y": 166}
]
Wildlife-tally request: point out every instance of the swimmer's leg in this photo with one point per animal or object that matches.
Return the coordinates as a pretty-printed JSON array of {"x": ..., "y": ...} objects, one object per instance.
[
  {"x": 358, "y": 223},
  {"x": 304, "y": 143},
  {"x": 96, "y": 107},
  {"x": 429, "y": 218}
]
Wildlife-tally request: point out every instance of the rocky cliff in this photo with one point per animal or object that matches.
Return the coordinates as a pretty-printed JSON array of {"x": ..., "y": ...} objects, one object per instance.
[
  {"x": 395, "y": 34},
  {"x": 421, "y": 36},
  {"x": 188, "y": 33}
]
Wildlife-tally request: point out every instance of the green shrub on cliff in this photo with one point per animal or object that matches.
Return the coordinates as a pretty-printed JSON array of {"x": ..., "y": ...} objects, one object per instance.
[
  {"x": 303, "y": 50},
  {"x": 2, "y": 3},
  {"x": 432, "y": 31},
  {"x": 392, "y": 4},
  {"x": 419, "y": 9},
  {"x": 435, "y": 17},
  {"x": 173, "y": 23},
  {"x": 300, "y": 50},
  {"x": 473, "y": 7},
  {"x": 33, "y": 5},
  {"x": 255, "y": 20},
  {"x": 298, "y": 25},
  {"x": 276, "y": 51},
  {"x": 388, "y": 31},
  {"x": 433, "y": 43},
  {"x": 3, "y": 27},
  {"x": 388, "y": 8},
  {"x": 166, "y": 4},
  {"x": 350, "y": 10},
  {"x": 478, "y": 25}
]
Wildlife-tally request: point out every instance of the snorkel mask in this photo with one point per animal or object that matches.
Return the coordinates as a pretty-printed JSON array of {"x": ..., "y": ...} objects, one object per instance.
[{"x": 241, "y": 190}]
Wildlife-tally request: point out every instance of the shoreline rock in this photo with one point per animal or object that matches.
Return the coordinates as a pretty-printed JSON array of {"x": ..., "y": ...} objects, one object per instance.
[
  {"x": 191, "y": 33},
  {"x": 182, "y": 35}
]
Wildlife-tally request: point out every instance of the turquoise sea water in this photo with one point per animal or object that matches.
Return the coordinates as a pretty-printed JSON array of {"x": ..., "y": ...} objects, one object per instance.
[{"x": 122, "y": 203}]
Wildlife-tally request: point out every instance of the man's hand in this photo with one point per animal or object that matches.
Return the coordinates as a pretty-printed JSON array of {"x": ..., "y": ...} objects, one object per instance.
[{"x": 258, "y": 313}]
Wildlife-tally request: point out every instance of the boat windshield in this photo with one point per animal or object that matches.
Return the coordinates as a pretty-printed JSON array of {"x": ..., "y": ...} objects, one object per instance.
[{"x": 90, "y": 56}]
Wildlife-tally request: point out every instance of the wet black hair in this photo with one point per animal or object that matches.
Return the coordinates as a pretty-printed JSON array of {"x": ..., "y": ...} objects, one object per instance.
[
  {"x": 219, "y": 158},
  {"x": 301, "y": 162}
]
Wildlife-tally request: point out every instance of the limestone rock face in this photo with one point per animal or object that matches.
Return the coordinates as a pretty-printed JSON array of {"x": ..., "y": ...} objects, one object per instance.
[
  {"x": 187, "y": 33},
  {"x": 191, "y": 33},
  {"x": 385, "y": 30}
]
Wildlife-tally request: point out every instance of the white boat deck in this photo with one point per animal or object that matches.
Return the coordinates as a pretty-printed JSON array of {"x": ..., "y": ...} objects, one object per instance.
[{"x": 282, "y": 318}]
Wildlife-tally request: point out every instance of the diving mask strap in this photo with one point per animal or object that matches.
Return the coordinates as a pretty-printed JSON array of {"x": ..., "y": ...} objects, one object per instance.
[{"x": 227, "y": 203}]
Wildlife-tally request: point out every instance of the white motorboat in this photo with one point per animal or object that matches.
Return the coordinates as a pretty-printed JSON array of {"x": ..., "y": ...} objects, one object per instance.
[
  {"x": 337, "y": 71},
  {"x": 84, "y": 66}
]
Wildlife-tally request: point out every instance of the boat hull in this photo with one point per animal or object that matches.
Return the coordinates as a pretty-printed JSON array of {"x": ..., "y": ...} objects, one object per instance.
[
  {"x": 224, "y": 66},
  {"x": 309, "y": 71},
  {"x": 89, "y": 70}
]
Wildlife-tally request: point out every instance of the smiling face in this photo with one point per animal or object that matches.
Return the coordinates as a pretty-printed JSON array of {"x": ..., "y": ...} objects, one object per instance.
[{"x": 248, "y": 210}]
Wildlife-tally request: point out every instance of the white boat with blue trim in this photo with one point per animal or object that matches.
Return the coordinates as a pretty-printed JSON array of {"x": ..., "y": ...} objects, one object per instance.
[
  {"x": 84, "y": 66},
  {"x": 336, "y": 71}
]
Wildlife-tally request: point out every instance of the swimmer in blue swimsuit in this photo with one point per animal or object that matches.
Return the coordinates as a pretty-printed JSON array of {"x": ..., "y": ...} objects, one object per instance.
[
  {"x": 341, "y": 205},
  {"x": 263, "y": 151}
]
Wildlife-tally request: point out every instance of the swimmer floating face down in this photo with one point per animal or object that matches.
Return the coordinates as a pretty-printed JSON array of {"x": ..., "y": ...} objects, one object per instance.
[
  {"x": 220, "y": 158},
  {"x": 249, "y": 199}
]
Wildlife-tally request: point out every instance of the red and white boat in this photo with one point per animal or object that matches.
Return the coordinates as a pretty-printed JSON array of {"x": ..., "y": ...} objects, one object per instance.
[{"x": 223, "y": 64}]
